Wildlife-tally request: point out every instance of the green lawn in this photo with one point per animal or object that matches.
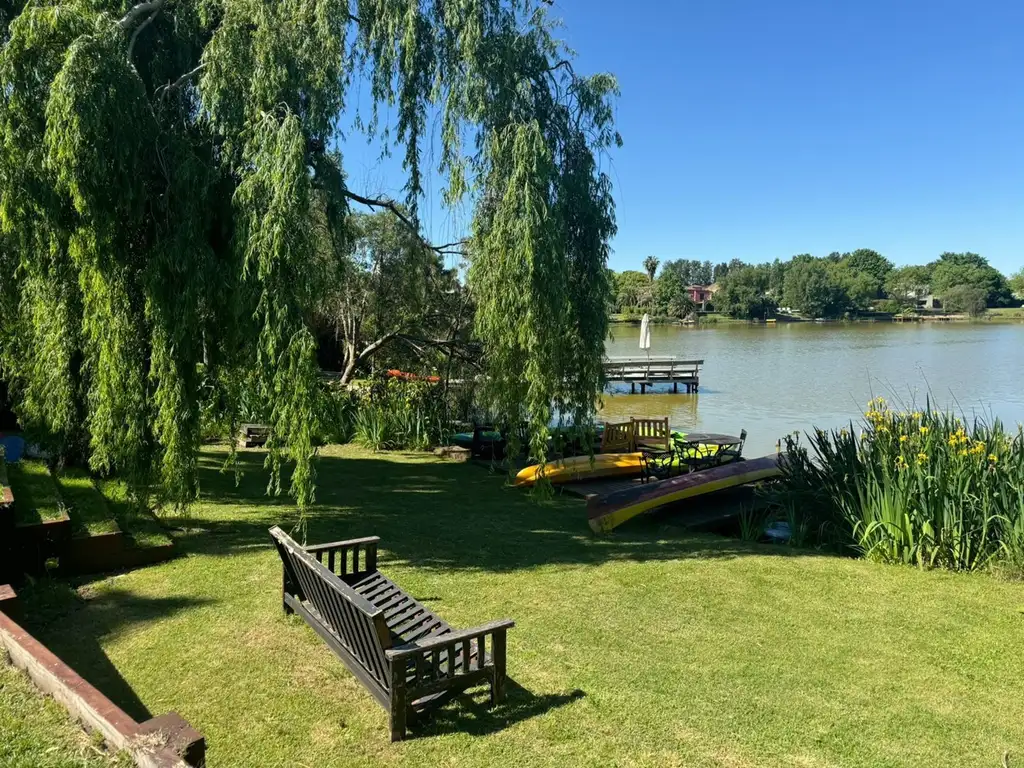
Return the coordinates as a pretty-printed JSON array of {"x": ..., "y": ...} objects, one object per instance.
[
  {"x": 88, "y": 510},
  {"x": 36, "y": 732},
  {"x": 651, "y": 647},
  {"x": 142, "y": 528},
  {"x": 35, "y": 495},
  {"x": 1006, "y": 314}
]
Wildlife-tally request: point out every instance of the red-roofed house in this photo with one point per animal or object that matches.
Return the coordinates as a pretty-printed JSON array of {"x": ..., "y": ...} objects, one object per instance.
[{"x": 700, "y": 294}]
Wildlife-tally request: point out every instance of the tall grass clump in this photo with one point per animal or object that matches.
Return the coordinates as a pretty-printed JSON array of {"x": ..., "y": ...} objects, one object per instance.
[
  {"x": 397, "y": 414},
  {"x": 923, "y": 488}
]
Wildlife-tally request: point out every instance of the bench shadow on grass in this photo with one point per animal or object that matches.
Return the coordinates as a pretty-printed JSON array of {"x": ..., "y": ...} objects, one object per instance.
[
  {"x": 56, "y": 606},
  {"x": 473, "y": 714},
  {"x": 440, "y": 515}
]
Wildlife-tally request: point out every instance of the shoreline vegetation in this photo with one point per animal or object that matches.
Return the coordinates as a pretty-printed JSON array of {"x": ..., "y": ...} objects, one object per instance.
[
  {"x": 862, "y": 283},
  {"x": 995, "y": 315},
  {"x": 913, "y": 487}
]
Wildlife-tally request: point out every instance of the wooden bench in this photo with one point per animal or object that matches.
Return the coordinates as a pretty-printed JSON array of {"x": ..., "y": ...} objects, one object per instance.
[
  {"x": 408, "y": 658},
  {"x": 652, "y": 433}
]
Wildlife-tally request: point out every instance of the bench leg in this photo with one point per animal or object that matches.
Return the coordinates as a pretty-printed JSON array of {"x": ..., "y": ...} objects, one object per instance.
[
  {"x": 498, "y": 682},
  {"x": 285, "y": 589},
  {"x": 398, "y": 704}
]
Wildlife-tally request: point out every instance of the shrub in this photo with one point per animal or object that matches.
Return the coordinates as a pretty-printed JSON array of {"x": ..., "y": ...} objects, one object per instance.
[
  {"x": 396, "y": 414},
  {"x": 921, "y": 488},
  {"x": 338, "y": 413}
]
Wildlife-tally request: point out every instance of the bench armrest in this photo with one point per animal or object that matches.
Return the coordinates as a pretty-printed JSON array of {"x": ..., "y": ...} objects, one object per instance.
[
  {"x": 443, "y": 641},
  {"x": 314, "y": 548},
  {"x": 335, "y": 555}
]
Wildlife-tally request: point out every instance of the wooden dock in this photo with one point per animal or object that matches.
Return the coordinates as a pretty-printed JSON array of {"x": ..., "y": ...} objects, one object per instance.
[{"x": 648, "y": 371}]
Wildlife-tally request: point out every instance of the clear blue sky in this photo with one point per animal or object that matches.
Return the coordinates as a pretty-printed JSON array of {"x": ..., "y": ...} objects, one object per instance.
[{"x": 760, "y": 130}]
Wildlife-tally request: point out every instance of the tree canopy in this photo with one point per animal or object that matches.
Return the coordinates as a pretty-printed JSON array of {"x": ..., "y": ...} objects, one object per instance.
[
  {"x": 743, "y": 293},
  {"x": 651, "y": 267},
  {"x": 633, "y": 291},
  {"x": 908, "y": 284},
  {"x": 810, "y": 286},
  {"x": 968, "y": 270},
  {"x": 1016, "y": 283},
  {"x": 174, "y": 209},
  {"x": 868, "y": 265}
]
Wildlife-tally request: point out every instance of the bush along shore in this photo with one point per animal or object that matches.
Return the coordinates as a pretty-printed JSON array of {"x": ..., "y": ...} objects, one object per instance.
[{"x": 923, "y": 487}]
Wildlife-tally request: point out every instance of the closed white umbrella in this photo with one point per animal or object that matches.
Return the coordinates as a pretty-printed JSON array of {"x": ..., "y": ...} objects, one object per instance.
[{"x": 645, "y": 333}]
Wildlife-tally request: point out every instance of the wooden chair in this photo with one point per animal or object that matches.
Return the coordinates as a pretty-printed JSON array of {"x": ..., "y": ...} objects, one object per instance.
[
  {"x": 408, "y": 658},
  {"x": 618, "y": 438},
  {"x": 652, "y": 433}
]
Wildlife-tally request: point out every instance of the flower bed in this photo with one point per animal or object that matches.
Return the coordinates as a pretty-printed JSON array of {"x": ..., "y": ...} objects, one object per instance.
[{"x": 921, "y": 487}]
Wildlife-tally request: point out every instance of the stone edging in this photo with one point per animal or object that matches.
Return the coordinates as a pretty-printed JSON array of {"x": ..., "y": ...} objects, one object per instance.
[{"x": 166, "y": 741}]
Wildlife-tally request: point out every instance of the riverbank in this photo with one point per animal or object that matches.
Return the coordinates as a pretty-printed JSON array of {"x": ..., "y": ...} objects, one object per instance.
[
  {"x": 995, "y": 315},
  {"x": 710, "y": 318}
]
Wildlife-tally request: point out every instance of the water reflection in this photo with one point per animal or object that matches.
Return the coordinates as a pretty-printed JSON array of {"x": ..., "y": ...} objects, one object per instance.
[{"x": 681, "y": 410}]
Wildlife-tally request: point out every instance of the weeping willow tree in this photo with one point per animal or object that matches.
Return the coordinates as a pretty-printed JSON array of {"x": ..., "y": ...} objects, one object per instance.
[{"x": 172, "y": 194}]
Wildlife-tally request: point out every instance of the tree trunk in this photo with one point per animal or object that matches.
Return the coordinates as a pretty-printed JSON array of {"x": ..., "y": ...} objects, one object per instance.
[{"x": 350, "y": 362}]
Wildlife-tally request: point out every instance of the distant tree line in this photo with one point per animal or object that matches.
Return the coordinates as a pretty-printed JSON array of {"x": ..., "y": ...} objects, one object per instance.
[
  {"x": 662, "y": 294},
  {"x": 832, "y": 286}
]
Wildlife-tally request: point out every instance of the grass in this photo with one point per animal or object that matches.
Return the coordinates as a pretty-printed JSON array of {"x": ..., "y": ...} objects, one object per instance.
[
  {"x": 90, "y": 515},
  {"x": 36, "y": 732},
  {"x": 652, "y": 647},
  {"x": 35, "y": 495},
  {"x": 714, "y": 318},
  {"x": 1004, "y": 314},
  {"x": 143, "y": 530}
]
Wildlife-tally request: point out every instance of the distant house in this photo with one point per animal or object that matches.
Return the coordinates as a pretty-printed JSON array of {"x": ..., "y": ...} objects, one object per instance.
[
  {"x": 700, "y": 294},
  {"x": 929, "y": 302}
]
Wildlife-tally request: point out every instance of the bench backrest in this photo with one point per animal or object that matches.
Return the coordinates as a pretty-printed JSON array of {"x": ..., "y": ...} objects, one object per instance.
[
  {"x": 357, "y": 622},
  {"x": 652, "y": 433},
  {"x": 618, "y": 438}
]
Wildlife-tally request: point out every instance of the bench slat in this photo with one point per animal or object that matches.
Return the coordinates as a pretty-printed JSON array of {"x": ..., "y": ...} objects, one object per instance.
[
  {"x": 414, "y": 624},
  {"x": 401, "y": 606},
  {"x": 430, "y": 628},
  {"x": 379, "y": 591}
]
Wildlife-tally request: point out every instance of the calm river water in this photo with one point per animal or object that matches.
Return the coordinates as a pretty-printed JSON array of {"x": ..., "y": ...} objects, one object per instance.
[{"x": 774, "y": 380}]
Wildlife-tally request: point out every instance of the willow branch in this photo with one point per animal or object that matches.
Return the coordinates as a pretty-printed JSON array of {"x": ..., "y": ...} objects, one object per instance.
[
  {"x": 369, "y": 349},
  {"x": 390, "y": 205},
  {"x": 132, "y": 16},
  {"x": 563, "y": 63},
  {"x": 163, "y": 90}
]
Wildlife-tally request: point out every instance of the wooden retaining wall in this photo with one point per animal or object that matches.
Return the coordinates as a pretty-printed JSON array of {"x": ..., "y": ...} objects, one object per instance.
[
  {"x": 26, "y": 548},
  {"x": 167, "y": 741}
]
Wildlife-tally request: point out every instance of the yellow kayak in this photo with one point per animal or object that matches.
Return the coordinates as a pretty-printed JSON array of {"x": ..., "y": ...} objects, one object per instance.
[
  {"x": 581, "y": 468},
  {"x": 603, "y": 465}
]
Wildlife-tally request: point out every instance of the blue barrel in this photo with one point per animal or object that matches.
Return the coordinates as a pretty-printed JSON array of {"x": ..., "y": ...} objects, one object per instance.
[{"x": 13, "y": 447}]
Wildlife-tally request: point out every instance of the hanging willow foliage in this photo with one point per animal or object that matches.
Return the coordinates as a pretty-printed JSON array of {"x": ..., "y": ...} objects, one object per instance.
[{"x": 173, "y": 206}]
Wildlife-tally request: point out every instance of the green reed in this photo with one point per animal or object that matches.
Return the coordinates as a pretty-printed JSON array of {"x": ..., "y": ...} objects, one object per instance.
[{"x": 924, "y": 488}]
